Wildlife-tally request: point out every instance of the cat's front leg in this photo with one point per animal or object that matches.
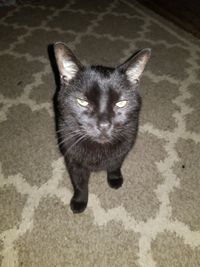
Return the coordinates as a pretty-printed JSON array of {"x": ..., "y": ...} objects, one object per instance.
[
  {"x": 80, "y": 178},
  {"x": 115, "y": 178}
]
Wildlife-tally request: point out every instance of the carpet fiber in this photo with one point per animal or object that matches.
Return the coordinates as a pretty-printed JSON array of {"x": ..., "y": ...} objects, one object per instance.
[{"x": 154, "y": 219}]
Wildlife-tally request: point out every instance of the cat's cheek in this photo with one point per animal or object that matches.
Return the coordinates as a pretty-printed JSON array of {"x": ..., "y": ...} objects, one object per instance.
[
  {"x": 119, "y": 113},
  {"x": 120, "y": 117}
]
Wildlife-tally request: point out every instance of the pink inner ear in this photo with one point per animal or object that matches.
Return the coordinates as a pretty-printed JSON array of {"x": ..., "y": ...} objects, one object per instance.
[
  {"x": 67, "y": 63},
  {"x": 134, "y": 66},
  {"x": 134, "y": 73},
  {"x": 69, "y": 69}
]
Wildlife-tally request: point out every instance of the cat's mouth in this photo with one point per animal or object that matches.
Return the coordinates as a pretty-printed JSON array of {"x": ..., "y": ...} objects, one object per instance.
[{"x": 103, "y": 138}]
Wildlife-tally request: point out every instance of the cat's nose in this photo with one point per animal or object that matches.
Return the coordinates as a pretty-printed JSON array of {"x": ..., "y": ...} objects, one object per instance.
[{"x": 104, "y": 125}]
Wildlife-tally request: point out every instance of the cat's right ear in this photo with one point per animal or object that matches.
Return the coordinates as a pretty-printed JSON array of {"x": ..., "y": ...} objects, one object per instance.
[{"x": 68, "y": 64}]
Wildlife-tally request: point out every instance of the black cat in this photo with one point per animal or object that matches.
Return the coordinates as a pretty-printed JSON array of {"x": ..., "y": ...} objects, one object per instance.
[{"x": 98, "y": 117}]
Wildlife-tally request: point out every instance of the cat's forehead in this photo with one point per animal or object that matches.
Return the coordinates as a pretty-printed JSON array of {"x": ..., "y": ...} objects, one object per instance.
[
  {"x": 100, "y": 84},
  {"x": 96, "y": 92},
  {"x": 101, "y": 80}
]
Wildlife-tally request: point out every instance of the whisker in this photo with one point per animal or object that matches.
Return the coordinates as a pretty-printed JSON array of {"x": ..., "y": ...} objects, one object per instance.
[
  {"x": 68, "y": 138},
  {"x": 76, "y": 142},
  {"x": 62, "y": 130},
  {"x": 68, "y": 132}
]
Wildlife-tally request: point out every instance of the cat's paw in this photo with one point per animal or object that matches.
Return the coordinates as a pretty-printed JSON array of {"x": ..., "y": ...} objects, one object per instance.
[
  {"x": 115, "y": 182},
  {"x": 77, "y": 206}
]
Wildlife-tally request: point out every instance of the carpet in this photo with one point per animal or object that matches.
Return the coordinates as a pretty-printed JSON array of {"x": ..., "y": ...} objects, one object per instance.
[{"x": 154, "y": 219}]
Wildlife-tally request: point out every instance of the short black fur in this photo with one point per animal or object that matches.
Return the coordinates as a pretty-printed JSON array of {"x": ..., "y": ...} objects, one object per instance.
[{"x": 96, "y": 129}]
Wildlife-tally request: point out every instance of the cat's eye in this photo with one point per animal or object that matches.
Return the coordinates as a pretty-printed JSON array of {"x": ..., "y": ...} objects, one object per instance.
[
  {"x": 82, "y": 102},
  {"x": 121, "y": 104}
]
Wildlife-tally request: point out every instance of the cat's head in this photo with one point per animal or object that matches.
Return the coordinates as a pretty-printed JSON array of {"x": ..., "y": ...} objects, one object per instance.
[{"x": 101, "y": 103}]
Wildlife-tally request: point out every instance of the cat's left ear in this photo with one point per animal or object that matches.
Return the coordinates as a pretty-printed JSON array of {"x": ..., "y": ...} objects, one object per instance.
[
  {"x": 68, "y": 64},
  {"x": 134, "y": 66}
]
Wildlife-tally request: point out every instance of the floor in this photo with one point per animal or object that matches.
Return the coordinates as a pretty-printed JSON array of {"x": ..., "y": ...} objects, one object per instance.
[{"x": 154, "y": 219}]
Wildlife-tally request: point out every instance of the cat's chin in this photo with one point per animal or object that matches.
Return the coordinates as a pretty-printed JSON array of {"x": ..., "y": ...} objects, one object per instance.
[{"x": 102, "y": 140}]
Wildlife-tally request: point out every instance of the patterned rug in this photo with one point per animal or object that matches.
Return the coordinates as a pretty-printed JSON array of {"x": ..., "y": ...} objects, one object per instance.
[{"x": 154, "y": 219}]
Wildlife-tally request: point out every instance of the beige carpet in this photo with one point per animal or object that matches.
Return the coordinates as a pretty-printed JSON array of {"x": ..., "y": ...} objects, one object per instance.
[{"x": 154, "y": 219}]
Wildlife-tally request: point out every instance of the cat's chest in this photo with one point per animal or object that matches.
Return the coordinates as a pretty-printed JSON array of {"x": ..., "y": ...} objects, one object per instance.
[{"x": 97, "y": 158}]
